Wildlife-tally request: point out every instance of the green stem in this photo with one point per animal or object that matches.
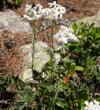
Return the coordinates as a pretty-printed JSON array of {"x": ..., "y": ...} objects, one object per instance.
[
  {"x": 52, "y": 68},
  {"x": 33, "y": 45},
  {"x": 62, "y": 51},
  {"x": 52, "y": 33},
  {"x": 52, "y": 47}
]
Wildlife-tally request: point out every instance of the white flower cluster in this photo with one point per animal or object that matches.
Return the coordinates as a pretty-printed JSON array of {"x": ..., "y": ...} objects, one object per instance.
[
  {"x": 33, "y": 13},
  {"x": 54, "y": 12},
  {"x": 93, "y": 105},
  {"x": 64, "y": 35}
]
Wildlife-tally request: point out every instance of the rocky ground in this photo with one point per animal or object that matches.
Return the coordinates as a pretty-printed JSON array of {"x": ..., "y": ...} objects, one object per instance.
[{"x": 14, "y": 31}]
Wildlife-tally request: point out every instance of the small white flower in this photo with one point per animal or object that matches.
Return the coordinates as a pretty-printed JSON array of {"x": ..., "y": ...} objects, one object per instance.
[
  {"x": 58, "y": 35},
  {"x": 63, "y": 40},
  {"x": 61, "y": 9},
  {"x": 57, "y": 58},
  {"x": 33, "y": 13},
  {"x": 54, "y": 14},
  {"x": 34, "y": 89},
  {"x": 65, "y": 35},
  {"x": 27, "y": 17},
  {"x": 52, "y": 5},
  {"x": 96, "y": 102},
  {"x": 27, "y": 8},
  {"x": 63, "y": 29},
  {"x": 43, "y": 75},
  {"x": 38, "y": 7},
  {"x": 93, "y": 105},
  {"x": 88, "y": 105},
  {"x": 86, "y": 102},
  {"x": 71, "y": 36},
  {"x": 46, "y": 12},
  {"x": 49, "y": 14},
  {"x": 69, "y": 33},
  {"x": 57, "y": 10}
]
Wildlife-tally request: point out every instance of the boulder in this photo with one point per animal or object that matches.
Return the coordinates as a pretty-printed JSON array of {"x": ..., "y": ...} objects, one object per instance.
[
  {"x": 9, "y": 20},
  {"x": 41, "y": 57}
]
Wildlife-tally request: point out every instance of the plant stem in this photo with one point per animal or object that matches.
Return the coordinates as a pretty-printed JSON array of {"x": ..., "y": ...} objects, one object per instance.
[
  {"x": 33, "y": 44},
  {"x": 52, "y": 47},
  {"x": 52, "y": 33},
  {"x": 52, "y": 64}
]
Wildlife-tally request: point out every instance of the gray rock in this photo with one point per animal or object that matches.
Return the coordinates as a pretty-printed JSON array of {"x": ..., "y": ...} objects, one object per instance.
[
  {"x": 92, "y": 19},
  {"x": 9, "y": 20},
  {"x": 26, "y": 75},
  {"x": 2, "y": 25},
  {"x": 41, "y": 57}
]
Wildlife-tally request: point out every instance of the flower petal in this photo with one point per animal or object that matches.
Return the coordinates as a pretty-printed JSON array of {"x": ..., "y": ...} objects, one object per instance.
[
  {"x": 96, "y": 102},
  {"x": 86, "y": 103},
  {"x": 91, "y": 103}
]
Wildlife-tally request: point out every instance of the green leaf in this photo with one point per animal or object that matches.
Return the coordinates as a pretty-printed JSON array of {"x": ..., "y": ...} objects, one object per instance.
[
  {"x": 97, "y": 35},
  {"x": 93, "y": 30},
  {"x": 90, "y": 62},
  {"x": 18, "y": 1},
  {"x": 61, "y": 103},
  {"x": 82, "y": 108},
  {"x": 72, "y": 66},
  {"x": 74, "y": 26},
  {"x": 79, "y": 68}
]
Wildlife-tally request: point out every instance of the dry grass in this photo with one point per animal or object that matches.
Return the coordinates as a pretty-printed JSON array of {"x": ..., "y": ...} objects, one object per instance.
[{"x": 11, "y": 59}]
